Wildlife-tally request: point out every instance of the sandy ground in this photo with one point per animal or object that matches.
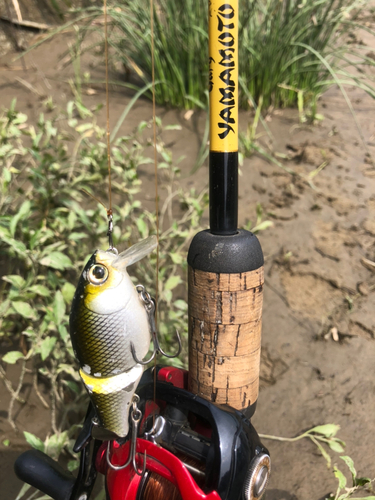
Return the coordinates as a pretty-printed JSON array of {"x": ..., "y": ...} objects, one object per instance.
[{"x": 318, "y": 320}]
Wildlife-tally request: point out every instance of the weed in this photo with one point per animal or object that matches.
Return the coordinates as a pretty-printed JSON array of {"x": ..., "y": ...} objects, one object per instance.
[
  {"x": 47, "y": 237},
  {"x": 325, "y": 435},
  {"x": 290, "y": 52},
  {"x": 260, "y": 224},
  {"x": 358, "y": 483},
  {"x": 298, "y": 45},
  {"x": 180, "y": 58},
  {"x": 248, "y": 141}
]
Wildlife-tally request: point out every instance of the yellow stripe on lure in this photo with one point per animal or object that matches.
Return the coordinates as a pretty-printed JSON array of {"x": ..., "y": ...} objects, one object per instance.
[
  {"x": 112, "y": 397},
  {"x": 107, "y": 315}
]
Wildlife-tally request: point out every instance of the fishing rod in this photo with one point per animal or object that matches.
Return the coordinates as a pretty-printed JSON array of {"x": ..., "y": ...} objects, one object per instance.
[
  {"x": 225, "y": 263},
  {"x": 225, "y": 274},
  {"x": 184, "y": 434}
]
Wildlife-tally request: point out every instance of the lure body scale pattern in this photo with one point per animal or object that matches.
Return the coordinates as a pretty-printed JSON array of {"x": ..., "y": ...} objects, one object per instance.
[{"x": 106, "y": 316}]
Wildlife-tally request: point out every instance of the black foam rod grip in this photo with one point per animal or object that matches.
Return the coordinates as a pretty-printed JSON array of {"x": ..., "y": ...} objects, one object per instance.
[{"x": 39, "y": 470}]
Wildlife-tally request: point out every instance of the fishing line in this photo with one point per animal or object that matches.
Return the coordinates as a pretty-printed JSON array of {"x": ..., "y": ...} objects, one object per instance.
[
  {"x": 109, "y": 211},
  {"x": 156, "y": 173},
  {"x": 154, "y": 138}
]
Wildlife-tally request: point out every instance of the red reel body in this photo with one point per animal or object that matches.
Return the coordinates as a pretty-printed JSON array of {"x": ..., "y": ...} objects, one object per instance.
[{"x": 126, "y": 483}]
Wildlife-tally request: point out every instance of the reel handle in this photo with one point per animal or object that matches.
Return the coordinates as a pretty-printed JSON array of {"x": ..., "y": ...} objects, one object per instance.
[{"x": 42, "y": 472}]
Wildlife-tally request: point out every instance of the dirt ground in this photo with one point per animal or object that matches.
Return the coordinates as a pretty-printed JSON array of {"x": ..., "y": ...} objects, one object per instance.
[{"x": 318, "y": 318}]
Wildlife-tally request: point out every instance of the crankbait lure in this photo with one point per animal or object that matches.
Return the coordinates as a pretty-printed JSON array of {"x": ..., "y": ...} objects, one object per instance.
[{"x": 107, "y": 321}]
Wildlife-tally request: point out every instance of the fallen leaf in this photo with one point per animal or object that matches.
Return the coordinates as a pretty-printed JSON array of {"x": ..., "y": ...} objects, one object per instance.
[
  {"x": 363, "y": 288},
  {"x": 188, "y": 114},
  {"x": 368, "y": 264},
  {"x": 335, "y": 334}
]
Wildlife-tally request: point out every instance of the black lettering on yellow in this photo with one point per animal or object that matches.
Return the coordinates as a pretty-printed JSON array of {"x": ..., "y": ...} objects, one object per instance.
[
  {"x": 227, "y": 96},
  {"x": 223, "y": 39},
  {"x": 210, "y": 75},
  {"x": 226, "y": 57},
  {"x": 226, "y": 7},
  {"x": 226, "y": 114},
  {"x": 227, "y": 128},
  {"x": 221, "y": 25},
  {"x": 227, "y": 40},
  {"x": 225, "y": 76},
  {"x": 226, "y": 15}
]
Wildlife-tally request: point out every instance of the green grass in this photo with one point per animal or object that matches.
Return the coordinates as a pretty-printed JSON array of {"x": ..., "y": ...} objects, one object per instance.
[
  {"x": 288, "y": 50},
  {"x": 293, "y": 47},
  {"x": 180, "y": 38}
]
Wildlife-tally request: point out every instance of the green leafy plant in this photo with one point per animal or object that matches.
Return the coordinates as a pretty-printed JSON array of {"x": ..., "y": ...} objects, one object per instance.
[
  {"x": 319, "y": 435},
  {"x": 358, "y": 483},
  {"x": 47, "y": 237},
  {"x": 325, "y": 435}
]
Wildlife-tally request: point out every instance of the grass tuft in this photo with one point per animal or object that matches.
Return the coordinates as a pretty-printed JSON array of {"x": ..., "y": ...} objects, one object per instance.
[
  {"x": 295, "y": 48},
  {"x": 287, "y": 49}
]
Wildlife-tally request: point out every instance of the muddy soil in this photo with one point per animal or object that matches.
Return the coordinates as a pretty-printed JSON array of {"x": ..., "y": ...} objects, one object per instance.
[{"x": 318, "y": 318}]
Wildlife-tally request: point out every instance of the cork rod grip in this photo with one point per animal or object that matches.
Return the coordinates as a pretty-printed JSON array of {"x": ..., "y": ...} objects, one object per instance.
[{"x": 225, "y": 316}]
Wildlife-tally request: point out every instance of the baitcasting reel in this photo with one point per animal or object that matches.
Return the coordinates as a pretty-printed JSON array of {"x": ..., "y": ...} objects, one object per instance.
[{"x": 207, "y": 451}]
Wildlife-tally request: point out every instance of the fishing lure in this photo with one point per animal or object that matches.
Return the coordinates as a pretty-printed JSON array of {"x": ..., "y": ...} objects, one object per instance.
[{"x": 107, "y": 321}]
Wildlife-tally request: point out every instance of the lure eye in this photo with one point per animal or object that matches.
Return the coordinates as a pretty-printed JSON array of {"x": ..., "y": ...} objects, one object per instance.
[{"x": 98, "y": 274}]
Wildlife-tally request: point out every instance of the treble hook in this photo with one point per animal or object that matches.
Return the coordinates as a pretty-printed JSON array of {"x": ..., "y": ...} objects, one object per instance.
[
  {"x": 110, "y": 231},
  {"x": 136, "y": 416},
  {"x": 149, "y": 304}
]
